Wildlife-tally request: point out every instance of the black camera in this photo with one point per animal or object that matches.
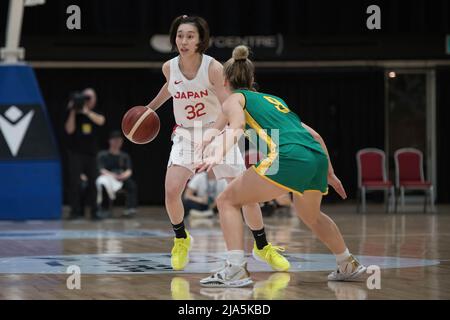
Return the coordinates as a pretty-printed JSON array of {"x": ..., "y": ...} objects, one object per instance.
[{"x": 78, "y": 100}]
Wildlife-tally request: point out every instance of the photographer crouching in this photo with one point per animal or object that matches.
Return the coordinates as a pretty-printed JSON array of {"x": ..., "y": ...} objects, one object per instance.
[{"x": 82, "y": 127}]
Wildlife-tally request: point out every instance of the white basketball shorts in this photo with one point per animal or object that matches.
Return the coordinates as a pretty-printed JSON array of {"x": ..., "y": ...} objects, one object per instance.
[{"x": 183, "y": 154}]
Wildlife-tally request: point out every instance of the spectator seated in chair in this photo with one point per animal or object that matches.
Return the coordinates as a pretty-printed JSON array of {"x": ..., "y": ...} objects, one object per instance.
[
  {"x": 201, "y": 193},
  {"x": 115, "y": 175}
]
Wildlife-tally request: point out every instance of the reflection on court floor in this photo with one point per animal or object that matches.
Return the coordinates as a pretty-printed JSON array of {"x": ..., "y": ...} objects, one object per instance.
[
  {"x": 156, "y": 263},
  {"x": 129, "y": 258}
]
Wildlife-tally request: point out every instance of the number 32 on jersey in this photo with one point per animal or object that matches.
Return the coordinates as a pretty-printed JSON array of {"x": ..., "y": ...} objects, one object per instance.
[{"x": 195, "y": 111}]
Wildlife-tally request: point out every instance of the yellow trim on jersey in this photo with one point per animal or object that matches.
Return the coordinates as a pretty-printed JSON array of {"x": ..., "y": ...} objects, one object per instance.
[
  {"x": 285, "y": 187},
  {"x": 323, "y": 193},
  {"x": 267, "y": 162},
  {"x": 276, "y": 183}
]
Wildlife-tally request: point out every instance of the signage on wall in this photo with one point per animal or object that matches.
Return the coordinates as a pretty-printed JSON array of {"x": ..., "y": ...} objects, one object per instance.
[{"x": 267, "y": 43}]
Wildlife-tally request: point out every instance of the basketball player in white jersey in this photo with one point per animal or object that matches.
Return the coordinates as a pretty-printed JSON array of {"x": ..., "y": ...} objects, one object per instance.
[{"x": 196, "y": 84}]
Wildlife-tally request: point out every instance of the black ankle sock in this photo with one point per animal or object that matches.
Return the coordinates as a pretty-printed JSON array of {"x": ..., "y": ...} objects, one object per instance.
[
  {"x": 260, "y": 238},
  {"x": 180, "y": 232}
]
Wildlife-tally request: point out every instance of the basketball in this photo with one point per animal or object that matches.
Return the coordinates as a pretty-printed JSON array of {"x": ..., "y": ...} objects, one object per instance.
[{"x": 140, "y": 125}]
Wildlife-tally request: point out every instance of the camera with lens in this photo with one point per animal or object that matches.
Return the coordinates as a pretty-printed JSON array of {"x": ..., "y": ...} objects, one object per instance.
[{"x": 78, "y": 100}]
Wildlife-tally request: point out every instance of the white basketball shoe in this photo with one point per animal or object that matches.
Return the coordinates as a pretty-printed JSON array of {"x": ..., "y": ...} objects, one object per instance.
[
  {"x": 349, "y": 270},
  {"x": 230, "y": 276}
]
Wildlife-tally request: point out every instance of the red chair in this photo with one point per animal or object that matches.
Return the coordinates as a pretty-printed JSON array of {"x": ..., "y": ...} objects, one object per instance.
[
  {"x": 409, "y": 175},
  {"x": 372, "y": 176}
]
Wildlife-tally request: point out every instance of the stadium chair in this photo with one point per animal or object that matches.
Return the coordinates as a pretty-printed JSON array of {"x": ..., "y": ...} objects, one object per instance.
[
  {"x": 409, "y": 176},
  {"x": 372, "y": 177}
]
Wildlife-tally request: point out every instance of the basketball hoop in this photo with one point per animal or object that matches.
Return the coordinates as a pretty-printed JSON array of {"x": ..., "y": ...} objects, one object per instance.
[{"x": 12, "y": 53}]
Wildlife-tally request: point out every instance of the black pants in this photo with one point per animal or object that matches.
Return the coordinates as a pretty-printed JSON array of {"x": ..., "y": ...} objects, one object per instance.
[
  {"x": 82, "y": 163},
  {"x": 189, "y": 204},
  {"x": 130, "y": 188}
]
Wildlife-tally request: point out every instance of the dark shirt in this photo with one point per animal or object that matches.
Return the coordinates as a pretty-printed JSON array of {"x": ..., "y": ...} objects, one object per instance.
[
  {"x": 116, "y": 163},
  {"x": 84, "y": 138}
]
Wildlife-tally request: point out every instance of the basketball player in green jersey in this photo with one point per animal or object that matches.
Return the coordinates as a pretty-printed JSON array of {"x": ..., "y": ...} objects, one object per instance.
[{"x": 297, "y": 161}]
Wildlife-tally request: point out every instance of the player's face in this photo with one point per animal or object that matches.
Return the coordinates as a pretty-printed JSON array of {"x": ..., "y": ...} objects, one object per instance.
[{"x": 187, "y": 39}]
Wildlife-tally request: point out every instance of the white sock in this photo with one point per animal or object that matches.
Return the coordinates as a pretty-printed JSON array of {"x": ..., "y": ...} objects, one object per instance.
[
  {"x": 342, "y": 256},
  {"x": 235, "y": 257}
]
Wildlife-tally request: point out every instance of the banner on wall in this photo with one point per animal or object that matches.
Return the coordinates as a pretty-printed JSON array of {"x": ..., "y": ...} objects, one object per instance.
[
  {"x": 30, "y": 170},
  {"x": 272, "y": 47}
]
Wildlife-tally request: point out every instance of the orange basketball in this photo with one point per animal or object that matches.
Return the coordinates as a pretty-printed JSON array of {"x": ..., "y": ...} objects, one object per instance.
[{"x": 140, "y": 125}]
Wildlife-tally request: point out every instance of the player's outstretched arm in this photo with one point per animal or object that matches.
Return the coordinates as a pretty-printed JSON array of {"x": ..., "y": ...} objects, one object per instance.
[
  {"x": 333, "y": 180},
  {"x": 216, "y": 77},
  {"x": 163, "y": 94},
  {"x": 233, "y": 110},
  {"x": 319, "y": 139}
]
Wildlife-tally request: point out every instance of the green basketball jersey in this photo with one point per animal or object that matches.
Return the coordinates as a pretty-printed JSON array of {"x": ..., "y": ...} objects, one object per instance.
[{"x": 268, "y": 112}]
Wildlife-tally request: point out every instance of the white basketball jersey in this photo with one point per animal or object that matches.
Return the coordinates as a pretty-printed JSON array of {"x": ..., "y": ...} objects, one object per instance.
[{"x": 193, "y": 100}]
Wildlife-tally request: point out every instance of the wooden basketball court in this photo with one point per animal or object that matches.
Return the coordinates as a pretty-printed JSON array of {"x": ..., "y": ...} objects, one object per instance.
[{"x": 129, "y": 259}]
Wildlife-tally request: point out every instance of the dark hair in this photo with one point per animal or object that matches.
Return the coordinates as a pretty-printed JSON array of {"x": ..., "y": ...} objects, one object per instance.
[
  {"x": 199, "y": 23},
  {"x": 239, "y": 70}
]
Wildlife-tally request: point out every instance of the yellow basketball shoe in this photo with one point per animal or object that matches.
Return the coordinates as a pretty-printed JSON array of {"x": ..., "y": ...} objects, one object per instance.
[
  {"x": 269, "y": 254},
  {"x": 180, "y": 252}
]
